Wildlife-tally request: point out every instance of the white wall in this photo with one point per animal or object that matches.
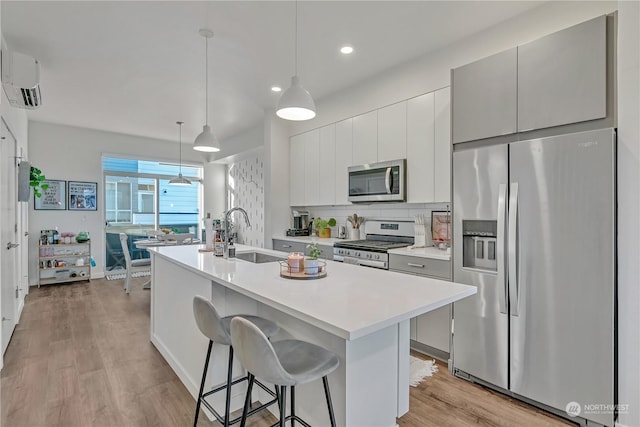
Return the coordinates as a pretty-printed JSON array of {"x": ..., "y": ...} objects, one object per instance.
[
  {"x": 629, "y": 210},
  {"x": 72, "y": 153}
]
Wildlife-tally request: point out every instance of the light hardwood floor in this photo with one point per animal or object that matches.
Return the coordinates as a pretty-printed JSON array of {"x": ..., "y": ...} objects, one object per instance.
[{"x": 81, "y": 357}]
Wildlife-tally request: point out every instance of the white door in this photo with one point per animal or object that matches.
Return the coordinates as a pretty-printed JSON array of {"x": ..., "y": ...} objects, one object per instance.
[{"x": 8, "y": 233}]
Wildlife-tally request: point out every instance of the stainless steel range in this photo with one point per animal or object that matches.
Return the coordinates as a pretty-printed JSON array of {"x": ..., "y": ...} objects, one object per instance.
[{"x": 372, "y": 251}]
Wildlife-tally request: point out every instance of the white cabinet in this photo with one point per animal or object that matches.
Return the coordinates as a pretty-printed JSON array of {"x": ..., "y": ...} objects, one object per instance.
[
  {"x": 327, "y": 164},
  {"x": 343, "y": 159},
  {"x": 365, "y": 138},
  {"x": 311, "y": 176},
  {"x": 442, "y": 148},
  {"x": 392, "y": 132},
  {"x": 562, "y": 78},
  {"x": 485, "y": 97},
  {"x": 420, "y": 149},
  {"x": 62, "y": 263},
  {"x": 296, "y": 170}
]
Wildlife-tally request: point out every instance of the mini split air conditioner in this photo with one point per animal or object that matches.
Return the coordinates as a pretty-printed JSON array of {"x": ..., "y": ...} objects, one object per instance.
[{"x": 21, "y": 79}]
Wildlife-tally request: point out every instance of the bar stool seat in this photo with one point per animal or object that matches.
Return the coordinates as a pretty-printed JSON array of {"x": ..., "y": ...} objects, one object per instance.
[
  {"x": 217, "y": 329},
  {"x": 283, "y": 363}
]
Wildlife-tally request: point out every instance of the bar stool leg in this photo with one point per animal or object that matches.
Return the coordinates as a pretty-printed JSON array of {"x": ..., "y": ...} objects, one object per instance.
[
  {"x": 247, "y": 400},
  {"x": 204, "y": 376},
  {"x": 293, "y": 406},
  {"x": 327, "y": 394},
  {"x": 278, "y": 397},
  {"x": 283, "y": 407},
  {"x": 227, "y": 405}
]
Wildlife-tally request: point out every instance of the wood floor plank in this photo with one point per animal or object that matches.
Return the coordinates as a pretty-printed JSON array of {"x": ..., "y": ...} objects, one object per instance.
[{"x": 81, "y": 357}]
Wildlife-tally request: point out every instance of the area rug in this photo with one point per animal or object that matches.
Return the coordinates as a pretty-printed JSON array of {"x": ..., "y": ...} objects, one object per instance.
[{"x": 420, "y": 369}]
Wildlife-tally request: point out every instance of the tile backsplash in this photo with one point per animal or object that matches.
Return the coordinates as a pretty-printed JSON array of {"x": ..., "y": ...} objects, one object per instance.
[
  {"x": 396, "y": 211},
  {"x": 245, "y": 188}
]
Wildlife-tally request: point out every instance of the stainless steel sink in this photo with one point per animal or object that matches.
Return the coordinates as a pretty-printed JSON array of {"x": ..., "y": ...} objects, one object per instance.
[{"x": 258, "y": 257}]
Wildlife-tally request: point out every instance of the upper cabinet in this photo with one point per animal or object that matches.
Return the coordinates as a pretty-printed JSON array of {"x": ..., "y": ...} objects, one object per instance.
[
  {"x": 417, "y": 130},
  {"x": 392, "y": 132},
  {"x": 365, "y": 138},
  {"x": 485, "y": 97},
  {"x": 304, "y": 169},
  {"x": 344, "y": 159},
  {"x": 296, "y": 170},
  {"x": 442, "y": 146},
  {"x": 555, "y": 80},
  {"x": 562, "y": 78},
  {"x": 420, "y": 148},
  {"x": 327, "y": 166}
]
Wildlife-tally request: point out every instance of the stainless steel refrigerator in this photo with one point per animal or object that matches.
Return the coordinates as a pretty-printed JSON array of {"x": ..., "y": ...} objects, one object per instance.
[{"x": 535, "y": 231}]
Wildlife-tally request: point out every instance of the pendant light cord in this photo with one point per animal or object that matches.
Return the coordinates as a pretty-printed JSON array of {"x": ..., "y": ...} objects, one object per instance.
[
  {"x": 206, "y": 79},
  {"x": 180, "y": 149},
  {"x": 296, "y": 47}
]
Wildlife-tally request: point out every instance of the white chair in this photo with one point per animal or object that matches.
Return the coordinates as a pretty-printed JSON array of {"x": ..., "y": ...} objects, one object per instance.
[{"x": 133, "y": 266}]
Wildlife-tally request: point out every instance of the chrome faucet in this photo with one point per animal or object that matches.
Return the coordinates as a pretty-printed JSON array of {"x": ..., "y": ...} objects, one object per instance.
[{"x": 227, "y": 217}]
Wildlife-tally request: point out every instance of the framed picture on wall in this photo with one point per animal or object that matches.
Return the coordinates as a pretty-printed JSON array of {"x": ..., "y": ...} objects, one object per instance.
[
  {"x": 82, "y": 196},
  {"x": 53, "y": 198}
]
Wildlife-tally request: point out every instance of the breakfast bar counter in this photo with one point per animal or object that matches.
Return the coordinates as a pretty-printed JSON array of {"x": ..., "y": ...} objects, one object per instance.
[{"x": 361, "y": 314}]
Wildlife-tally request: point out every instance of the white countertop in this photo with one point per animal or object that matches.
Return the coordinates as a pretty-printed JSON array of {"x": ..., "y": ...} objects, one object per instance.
[
  {"x": 351, "y": 302},
  {"x": 309, "y": 239},
  {"x": 433, "y": 253}
]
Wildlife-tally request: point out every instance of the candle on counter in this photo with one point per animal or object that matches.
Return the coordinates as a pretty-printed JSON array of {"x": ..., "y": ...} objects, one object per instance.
[{"x": 295, "y": 260}]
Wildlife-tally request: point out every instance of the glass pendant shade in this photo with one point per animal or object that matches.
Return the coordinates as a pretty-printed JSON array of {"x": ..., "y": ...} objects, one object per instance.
[
  {"x": 206, "y": 141},
  {"x": 296, "y": 103}
]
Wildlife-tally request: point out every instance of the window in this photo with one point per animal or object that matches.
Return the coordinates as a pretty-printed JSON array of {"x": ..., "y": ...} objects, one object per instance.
[{"x": 138, "y": 199}]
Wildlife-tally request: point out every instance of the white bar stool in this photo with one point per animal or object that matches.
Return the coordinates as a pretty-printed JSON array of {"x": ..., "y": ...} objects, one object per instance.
[
  {"x": 283, "y": 363},
  {"x": 217, "y": 329}
]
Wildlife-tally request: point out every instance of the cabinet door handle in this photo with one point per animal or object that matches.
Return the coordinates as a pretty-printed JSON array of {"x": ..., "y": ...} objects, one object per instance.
[
  {"x": 410, "y": 264},
  {"x": 12, "y": 245},
  {"x": 286, "y": 246}
]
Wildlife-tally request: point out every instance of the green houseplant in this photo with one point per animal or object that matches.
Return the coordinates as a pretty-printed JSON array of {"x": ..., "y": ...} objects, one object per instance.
[
  {"x": 323, "y": 226},
  {"x": 311, "y": 263},
  {"x": 36, "y": 179}
]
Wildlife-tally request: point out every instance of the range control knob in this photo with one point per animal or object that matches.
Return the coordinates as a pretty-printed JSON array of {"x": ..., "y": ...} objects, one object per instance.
[{"x": 377, "y": 256}]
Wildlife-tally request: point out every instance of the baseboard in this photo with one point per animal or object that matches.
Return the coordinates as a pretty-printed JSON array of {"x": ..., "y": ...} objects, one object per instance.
[{"x": 429, "y": 351}]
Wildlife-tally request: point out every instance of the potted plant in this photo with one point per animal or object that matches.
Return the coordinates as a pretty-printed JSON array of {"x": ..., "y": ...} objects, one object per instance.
[
  {"x": 311, "y": 263},
  {"x": 35, "y": 181},
  {"x": 323, "y": 226}
]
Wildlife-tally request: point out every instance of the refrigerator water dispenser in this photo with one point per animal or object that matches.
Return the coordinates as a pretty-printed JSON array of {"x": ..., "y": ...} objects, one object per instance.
[{"x": 479, "y": 244}]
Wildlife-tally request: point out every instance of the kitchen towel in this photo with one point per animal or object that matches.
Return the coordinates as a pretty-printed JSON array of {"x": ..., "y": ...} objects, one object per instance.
[{"x": 420, "y": 369}]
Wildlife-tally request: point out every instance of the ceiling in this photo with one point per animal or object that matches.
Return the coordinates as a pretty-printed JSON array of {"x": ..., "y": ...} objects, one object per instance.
[{"x": 138, "y": 67}]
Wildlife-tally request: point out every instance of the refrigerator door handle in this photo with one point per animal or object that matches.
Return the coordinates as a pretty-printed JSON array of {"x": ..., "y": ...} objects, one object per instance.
[
  {"x": 513, "y": 249},
  {"x": 500, "y": 246}
]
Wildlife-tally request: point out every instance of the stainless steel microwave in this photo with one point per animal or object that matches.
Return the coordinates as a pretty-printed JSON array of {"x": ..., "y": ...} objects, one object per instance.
[{"x": 378, "y": 182}]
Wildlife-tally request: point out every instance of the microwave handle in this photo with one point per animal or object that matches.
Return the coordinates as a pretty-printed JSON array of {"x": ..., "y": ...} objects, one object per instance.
[{"x": 388, "y": 180}]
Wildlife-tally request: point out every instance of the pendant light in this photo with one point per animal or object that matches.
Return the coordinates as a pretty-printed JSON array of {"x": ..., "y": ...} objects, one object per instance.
[
  {"x": 180, "y": 180},
  {"x": 296, "y": 102},
  {"x": 206, "y": 141}
]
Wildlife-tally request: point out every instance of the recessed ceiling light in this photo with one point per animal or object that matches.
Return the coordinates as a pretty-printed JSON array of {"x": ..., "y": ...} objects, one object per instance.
[
  {"x": 346, "y": 49},
  {"x": 276, "y": 88}
]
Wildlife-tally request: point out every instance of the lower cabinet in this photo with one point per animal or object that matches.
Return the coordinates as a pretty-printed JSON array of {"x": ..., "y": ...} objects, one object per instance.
[
  {"x": 290, "y": 246},
  {"x": 430, "y": 332}
]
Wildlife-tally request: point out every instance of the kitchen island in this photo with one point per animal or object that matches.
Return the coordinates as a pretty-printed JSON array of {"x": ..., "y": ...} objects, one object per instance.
[{"x": 359, "y": 313}]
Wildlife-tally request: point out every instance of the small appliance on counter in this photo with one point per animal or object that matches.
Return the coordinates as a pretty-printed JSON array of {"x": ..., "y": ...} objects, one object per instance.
[{"x": 301, "y": 224}]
